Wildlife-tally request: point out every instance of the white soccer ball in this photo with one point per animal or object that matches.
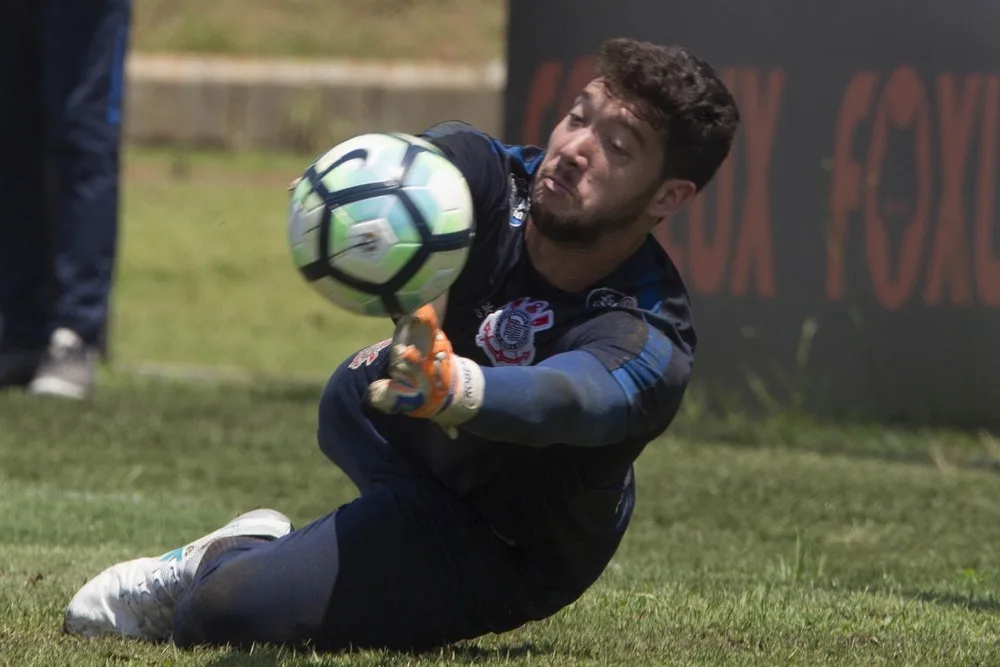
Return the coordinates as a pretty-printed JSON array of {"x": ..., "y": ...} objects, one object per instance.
[{"x": 381, "y": 224}]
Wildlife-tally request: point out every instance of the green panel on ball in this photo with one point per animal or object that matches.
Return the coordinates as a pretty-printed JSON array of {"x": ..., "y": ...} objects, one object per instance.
[
  {"x": 376, "y": 263},
  {"x": 301, "y": 190},
  {"x": 340, "y": 231},
  {"x": 381, "y": 164},
  {"x": 374, "y": 308},
  {"x": 397, "y": 257},
  {"x": 360, "y": 303},
  {"x": 374, "y": 238},
  {"x": 425, "y": 203},
  {"x": 434, "y": 278},
  {"x": 455, "y": 220},
  {"x": 345, "y": 177},
  {"x": 374, "y": 208},
  {"x": 402, "y": 222},
  {"x": 421, "y": 170},
  {"x": 303, "y": 234},
  {"x": 370, "y": 143},
  {"x": 303, "y": 253}
]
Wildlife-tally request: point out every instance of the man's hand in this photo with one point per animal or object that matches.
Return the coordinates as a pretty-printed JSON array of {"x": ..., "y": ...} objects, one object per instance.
[{"x": 426, "y": 379}]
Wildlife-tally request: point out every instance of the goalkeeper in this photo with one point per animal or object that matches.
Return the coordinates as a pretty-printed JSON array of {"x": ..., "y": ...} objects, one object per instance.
[{"x": 493, "y": 438}]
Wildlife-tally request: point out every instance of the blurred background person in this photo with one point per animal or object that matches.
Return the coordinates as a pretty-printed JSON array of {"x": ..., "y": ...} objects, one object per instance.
[{"x": 62, "y": 76}]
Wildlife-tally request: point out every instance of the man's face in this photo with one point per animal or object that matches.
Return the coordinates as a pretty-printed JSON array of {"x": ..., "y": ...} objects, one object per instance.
[{"x": 601, "y": 170}]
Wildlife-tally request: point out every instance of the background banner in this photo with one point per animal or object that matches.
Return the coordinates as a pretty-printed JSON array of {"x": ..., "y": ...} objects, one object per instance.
[{"x": 846, "y": 258}]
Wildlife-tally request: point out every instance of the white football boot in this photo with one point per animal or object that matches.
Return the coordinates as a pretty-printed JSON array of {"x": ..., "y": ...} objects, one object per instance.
[{"x": 136, "y": 598}]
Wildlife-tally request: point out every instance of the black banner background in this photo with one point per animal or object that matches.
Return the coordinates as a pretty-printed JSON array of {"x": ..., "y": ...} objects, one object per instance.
[{"x": 858, "y": 203}]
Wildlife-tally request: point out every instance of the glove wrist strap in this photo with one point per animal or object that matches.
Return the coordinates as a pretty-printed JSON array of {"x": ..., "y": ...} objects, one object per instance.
[{"x": 467, "y": 393}]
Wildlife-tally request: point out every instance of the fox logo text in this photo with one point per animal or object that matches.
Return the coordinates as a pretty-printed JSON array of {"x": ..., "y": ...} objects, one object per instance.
[{"x": 507, "y": 336}]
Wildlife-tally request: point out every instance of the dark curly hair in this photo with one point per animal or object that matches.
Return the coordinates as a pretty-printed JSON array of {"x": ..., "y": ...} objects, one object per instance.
[{"x": 681, "y": 96}]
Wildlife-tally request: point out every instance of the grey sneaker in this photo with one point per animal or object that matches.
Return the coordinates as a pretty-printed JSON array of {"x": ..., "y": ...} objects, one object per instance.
[
  {"x": 18, "y": 367},
  {"x": 67, "y": 369}
]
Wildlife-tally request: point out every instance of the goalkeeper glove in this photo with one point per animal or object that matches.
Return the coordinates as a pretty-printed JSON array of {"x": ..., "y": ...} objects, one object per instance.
[{"x": 426, "y": 378}]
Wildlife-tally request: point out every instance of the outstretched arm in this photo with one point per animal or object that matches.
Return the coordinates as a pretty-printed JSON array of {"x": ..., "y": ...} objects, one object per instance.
[{"x": 623, "y": 378}]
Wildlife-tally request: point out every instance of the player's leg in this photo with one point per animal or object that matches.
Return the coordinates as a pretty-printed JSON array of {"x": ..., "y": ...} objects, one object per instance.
[
  {"x": 356, "y": 437},
  {"x": 136, "y": 598},
  {"x": 84, "y": 48},
  {"x": 403, "y": 567},
  {"x": 407, "y": 565},
  {"x": 24, "y": 262}
]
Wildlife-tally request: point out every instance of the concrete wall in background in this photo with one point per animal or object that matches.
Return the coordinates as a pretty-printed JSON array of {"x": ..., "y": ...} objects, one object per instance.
[
  {"x": 293, "y": 105},
  {"x": 848, "y": 255}
]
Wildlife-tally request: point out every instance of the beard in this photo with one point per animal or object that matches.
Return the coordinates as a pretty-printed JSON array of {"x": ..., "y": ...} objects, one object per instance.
[
  {"x": 574, "y": 230},
  {"x": 582, "y": 230}
]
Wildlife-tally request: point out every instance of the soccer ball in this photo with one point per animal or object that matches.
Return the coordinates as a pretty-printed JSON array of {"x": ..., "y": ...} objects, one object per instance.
[{"x": 381, "y": 224}]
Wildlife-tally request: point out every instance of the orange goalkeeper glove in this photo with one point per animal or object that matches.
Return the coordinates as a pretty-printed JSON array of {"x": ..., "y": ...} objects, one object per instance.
[{"x": 426, "y": 378}]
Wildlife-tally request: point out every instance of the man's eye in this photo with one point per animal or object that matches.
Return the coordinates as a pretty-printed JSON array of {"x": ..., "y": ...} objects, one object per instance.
[{"x": 618, "y": 147}]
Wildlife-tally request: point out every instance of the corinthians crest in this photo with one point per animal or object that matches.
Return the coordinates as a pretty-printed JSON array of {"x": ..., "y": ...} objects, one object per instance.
[{"x": 507, "y": 335}]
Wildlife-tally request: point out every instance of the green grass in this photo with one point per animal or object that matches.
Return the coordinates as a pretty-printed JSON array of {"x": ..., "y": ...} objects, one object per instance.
[
  {"x": 774, "y": 542},
  {"x": 445, "y": 30},
  {"x": 206, "y": 277}
]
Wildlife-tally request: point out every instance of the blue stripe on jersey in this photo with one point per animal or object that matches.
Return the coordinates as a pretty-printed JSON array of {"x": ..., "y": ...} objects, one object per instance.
[
  {"x": 568, "y": 398},
  {"x": 650, "y": 298},
  {"x": 647, "y": 368},
  {"x": 516, "y": 153}
]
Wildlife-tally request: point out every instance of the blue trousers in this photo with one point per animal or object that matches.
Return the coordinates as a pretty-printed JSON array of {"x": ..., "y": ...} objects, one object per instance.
[
  {"x": 405, "y": 566},
  {"x": 61, "y": 83}
]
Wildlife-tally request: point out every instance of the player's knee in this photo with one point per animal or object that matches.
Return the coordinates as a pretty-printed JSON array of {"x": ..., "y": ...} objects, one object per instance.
[{"x": 339, "y": 406}]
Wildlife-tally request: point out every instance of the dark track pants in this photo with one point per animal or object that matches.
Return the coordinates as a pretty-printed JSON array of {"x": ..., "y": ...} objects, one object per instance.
[
  {"x": 405, "y": 566},
  {"x": 61, "y": 85}
]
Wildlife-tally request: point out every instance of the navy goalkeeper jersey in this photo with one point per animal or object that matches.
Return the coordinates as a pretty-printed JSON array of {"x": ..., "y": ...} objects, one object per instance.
[{"x": 576, "y": 383}]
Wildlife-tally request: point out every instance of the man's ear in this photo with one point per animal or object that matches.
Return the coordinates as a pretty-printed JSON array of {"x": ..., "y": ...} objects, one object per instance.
[{"x": 671, "y": 197}]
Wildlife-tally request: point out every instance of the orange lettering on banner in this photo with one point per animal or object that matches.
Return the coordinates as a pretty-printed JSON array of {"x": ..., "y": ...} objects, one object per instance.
[
  {"x": 949, "y": 251},
  {"x": 987, "y": 264},
  {"x": 938, "y": 230},
  {"x": 541, "y": 96},
  {"x": 760, "y": 111},
  {"x": 846, "y": 185},
  {"x": 710, "y": 258},
  {"x": 903, "y": 104}
]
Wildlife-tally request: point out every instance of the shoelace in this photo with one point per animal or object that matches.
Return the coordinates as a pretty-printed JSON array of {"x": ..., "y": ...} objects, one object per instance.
[{"x": 155, "y": 597}]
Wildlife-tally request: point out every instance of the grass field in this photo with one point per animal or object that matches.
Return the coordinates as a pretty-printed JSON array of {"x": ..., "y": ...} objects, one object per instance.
[
  {"x": 772, "y": 542},
  {"x": 448, "y": 30}
]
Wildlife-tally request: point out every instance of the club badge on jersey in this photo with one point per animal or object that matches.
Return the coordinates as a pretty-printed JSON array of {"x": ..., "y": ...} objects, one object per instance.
[{"x": 507, "y": 335}]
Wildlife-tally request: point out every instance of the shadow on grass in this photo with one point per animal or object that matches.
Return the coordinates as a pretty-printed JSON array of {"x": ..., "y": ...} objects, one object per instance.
[
  {"x": 988, "y": 605},
  {"x": 288, "y": 392},
  {"x": 461, "y": 654}
]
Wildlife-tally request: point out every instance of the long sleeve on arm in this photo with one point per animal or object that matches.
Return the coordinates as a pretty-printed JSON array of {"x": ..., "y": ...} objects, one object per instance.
[{"x": 623, "y": 379}]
